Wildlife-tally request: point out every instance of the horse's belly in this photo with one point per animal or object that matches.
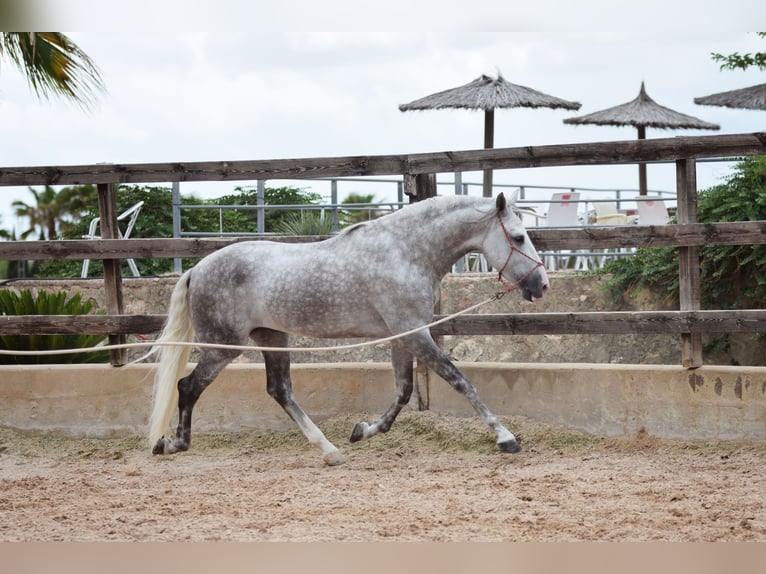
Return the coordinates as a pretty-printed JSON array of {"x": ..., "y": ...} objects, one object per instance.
[{"x": 336, "y": 323}]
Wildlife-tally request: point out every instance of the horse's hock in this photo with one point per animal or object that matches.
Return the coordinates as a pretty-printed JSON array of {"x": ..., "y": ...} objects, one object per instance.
[{"x": 611, "y": 385}]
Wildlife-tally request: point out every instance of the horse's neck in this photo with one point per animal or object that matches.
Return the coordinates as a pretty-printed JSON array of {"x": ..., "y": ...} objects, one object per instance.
[{"x": 455, "y": 227}]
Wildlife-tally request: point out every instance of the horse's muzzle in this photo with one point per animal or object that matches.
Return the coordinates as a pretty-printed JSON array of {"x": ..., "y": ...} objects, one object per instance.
[{"x": 535, "y": 285}]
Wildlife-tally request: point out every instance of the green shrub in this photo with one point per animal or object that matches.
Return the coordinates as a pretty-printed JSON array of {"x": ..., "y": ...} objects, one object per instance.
[
  {"x": 732, "y": 276},
  {"x": 305, "y": 224},
  {"x": 45, "y": 303}
]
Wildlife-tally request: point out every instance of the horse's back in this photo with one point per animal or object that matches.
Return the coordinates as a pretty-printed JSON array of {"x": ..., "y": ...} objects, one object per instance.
[{"x": 324, "y": 289}]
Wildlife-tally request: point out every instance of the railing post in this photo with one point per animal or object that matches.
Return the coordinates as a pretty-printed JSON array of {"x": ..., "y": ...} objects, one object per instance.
[
  {"x": 260, "y": 216},
  {"x": 458, "y": 183},
  {"x": 107, "y": 209},
  {"x": 334, "y": 201},
  {"x": 688, "y": 260}
]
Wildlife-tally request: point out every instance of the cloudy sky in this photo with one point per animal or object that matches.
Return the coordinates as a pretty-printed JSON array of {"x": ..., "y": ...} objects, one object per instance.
[{"x": 200, "y": 96}]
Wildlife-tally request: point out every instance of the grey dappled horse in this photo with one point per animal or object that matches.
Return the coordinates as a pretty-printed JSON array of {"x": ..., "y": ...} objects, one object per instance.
[{"x": 374, "y": 279}]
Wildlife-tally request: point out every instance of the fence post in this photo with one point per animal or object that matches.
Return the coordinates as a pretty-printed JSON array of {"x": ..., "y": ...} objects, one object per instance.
[
  {"x": 175, "y": 202},
  {"x": 107, "y": 209},
  {"x": 688, "y": 260},
  {"x": 418, "y": 188}
]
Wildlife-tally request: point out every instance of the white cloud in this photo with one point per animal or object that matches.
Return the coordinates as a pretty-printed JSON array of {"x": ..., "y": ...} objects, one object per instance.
[{"x": 258, "y": 94}]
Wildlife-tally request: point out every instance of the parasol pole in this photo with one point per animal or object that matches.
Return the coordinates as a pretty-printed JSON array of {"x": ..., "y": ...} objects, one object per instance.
[
  {"x": 489, "y": 142},
  {"x": 642, "y": 189}
]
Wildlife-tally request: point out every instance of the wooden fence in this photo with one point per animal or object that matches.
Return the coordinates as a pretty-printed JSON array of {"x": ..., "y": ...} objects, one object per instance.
[{"x": 418, "y": 171}]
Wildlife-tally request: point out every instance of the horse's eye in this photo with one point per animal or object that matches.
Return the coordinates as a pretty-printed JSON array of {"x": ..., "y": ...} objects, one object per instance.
[{"x": 518, "y": 238}]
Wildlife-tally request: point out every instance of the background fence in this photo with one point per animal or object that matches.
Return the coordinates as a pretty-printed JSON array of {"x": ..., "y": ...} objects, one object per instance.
[{"x": 418, "y": 182}]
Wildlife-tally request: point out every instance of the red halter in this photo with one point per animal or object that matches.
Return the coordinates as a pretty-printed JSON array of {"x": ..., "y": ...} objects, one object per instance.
[{"x": 508, "y": 287}]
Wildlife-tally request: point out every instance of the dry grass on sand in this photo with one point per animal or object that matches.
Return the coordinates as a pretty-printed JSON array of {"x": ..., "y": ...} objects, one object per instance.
[{"x": 432, "y": 477}]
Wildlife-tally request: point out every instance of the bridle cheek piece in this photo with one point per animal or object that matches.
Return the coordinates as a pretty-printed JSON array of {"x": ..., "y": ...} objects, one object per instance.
[{"x": 508, "y": 287}]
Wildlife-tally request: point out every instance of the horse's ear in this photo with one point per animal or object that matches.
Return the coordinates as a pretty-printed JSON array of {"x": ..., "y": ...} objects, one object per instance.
[{"x": 500, "y": 202}]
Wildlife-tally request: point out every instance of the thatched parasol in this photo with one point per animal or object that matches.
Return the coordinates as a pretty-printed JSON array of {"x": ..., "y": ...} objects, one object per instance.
[
  {"x": 487, "y": 93},
  {"x": 752, "y": 98},
  {"x": 643, "y": 112}
]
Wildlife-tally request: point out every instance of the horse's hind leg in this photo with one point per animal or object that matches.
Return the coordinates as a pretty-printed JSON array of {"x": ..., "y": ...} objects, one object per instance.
[
  {"x": 280, "y": 388},
  {"x": 401, "y": 359},
  {"x": 424, "y": 347},
  {"x": 211, "y": 363}
]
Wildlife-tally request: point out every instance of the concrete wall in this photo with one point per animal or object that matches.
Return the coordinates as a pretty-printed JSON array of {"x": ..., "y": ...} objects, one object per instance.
[{"x": 613, "y": 400}]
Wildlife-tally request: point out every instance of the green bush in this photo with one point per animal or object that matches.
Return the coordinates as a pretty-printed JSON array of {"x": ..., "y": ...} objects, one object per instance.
[
  {"x": 45, "y": 303},
  {"x": 732, "y": 276}
]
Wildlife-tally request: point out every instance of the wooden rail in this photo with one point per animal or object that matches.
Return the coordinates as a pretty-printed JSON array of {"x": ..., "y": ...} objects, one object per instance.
[
  {"x": 599, "y": 153},
  {"x": 591, "y": 237},
  {"x": 588, "y": 323},
  {"x": 418, "y": 170}
]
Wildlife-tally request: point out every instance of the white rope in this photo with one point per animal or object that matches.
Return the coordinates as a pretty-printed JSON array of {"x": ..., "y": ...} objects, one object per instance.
[{"x": 253, "y": 347}]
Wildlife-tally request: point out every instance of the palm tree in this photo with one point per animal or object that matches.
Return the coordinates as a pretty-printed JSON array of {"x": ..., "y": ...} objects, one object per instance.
[
  {"x": 53, "y": 65},
  {"x": 350, "y": 217},
  {"x": 44, "y": 215}
]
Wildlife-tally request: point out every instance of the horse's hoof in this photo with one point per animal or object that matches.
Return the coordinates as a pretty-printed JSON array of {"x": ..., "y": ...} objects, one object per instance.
[
  {"x": 159, "y": 448},
  {"x": 169, "y": 446},
  {"x": 509, "y": 446},
  {"x": 358, "y": 433},
  {"x": 333, "y": 458}
]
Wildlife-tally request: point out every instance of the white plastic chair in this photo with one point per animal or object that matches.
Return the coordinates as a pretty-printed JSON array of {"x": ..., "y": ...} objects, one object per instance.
[
  {"x": 652, "y": 212},
  {"x": 131, "y": 215},
  {"x": 607, "y": 214},
  {"x": 563, "y": 212}
]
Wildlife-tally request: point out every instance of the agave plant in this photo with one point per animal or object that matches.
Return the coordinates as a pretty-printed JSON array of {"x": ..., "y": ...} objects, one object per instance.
[
  {"x": 301, "y": 223},
  {"x": 45, "y": 303}
]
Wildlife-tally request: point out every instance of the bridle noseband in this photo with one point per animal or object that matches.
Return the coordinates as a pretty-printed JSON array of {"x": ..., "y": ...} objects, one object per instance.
[{"x": 508, "y": 287}]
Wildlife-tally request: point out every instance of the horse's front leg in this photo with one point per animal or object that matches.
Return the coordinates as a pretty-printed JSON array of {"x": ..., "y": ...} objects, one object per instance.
[
  {"x": 401, "y": 359},
  {"x": 423, "y": 347}
]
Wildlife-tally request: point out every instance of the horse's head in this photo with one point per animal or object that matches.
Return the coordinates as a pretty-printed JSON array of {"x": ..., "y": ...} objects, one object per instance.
[{"x": 508, "y": 248}]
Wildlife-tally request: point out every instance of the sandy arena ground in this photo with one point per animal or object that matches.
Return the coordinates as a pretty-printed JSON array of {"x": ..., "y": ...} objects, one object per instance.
[{"x": 431, "y": 478}]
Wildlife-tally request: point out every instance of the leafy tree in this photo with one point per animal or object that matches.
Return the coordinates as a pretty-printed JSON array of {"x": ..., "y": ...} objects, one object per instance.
[
  {"x": 246, "y": 221},
  {"x": 738, "y": 61},
  {"x": 156, "y": 220},
  {"x": 53, "y": 65}
]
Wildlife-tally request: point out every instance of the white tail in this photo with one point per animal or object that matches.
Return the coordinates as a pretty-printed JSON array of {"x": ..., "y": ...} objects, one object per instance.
[{"x": 172, "y": 359}]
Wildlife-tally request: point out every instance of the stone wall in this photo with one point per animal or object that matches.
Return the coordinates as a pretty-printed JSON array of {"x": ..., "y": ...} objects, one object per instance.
[{"x": 569, "y": 292}]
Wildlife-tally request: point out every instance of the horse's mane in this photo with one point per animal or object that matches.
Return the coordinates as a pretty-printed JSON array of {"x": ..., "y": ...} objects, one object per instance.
[{"x": 439, "y": 205}]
